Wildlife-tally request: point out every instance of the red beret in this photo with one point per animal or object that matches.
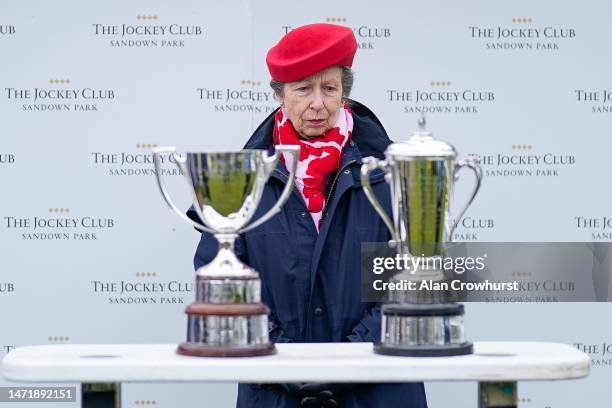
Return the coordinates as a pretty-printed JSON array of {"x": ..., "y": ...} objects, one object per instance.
[{"x": 309, "y": 49}]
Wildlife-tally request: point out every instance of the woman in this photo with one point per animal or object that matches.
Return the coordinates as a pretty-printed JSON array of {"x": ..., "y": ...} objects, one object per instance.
[{"x": 308, "y": 255}]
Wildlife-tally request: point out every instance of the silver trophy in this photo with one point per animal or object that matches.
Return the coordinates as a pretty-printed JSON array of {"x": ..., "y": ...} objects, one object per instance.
[
  {"x": 421, "y": 172},
  {"x": 228, "y": 318}
]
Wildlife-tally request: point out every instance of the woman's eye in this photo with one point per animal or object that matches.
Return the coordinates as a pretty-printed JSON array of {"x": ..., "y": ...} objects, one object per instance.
[
  {"x": 330, "y": 88},
  {"x": 302, "y": 89}
]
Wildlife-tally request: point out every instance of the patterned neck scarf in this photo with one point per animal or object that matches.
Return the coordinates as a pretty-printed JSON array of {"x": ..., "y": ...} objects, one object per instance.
[{"x": 319, "y": 157}]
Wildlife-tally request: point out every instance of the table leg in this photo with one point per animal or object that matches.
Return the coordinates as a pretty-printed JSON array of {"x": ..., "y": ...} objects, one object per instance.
[
  {"x": 101, "y": 395},
  {"x": 497, "y": 395}
]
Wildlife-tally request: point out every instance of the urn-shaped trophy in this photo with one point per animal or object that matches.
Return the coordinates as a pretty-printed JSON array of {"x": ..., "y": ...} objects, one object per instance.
[
  {"x": 421, "y": 172},
  {"x": 227, "y": 318}
]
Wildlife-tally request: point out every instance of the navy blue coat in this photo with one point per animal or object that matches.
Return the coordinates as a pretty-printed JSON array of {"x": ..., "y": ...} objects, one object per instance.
[{"x": 310, "y": 281}]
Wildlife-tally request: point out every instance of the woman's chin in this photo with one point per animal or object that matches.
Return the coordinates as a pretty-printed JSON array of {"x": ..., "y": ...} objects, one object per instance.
[{"x": 313, "y": 133}]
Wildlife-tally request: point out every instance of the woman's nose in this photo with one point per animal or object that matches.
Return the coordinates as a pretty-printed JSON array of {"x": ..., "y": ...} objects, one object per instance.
[{"x": 317, "y": 100}]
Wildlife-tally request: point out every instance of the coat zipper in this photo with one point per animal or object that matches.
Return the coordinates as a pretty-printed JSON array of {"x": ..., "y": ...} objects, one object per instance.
[
  {"x": 296, "y": 191},
  {"x": 333, "y": 186},
  {"x": 329, "y": 197}
]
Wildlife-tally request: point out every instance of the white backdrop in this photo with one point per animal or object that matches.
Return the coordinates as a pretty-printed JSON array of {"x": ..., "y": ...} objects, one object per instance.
[{"x": 88, "y": 87}]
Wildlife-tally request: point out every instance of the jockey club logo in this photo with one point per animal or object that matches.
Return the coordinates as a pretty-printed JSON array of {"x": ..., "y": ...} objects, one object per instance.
[
  {"x": 525, "y": 163},
  {"x": 7, "y": 158},
  {"x": 59, "y": 225},
  {"x": 469, "y": 228},
  {"x": 534, "y": 290},
  {"x": 599, "y": 101},
  {"x": 367, "y": 35},
  {"x": 250, "y": 97},
  {"x": 60, "y": 96},
  {"x": 136, "y": 162},
  {"x": 144, "y": 289},
  {"x": 441, "y": 98},
  {"x": 6, "y": 29},
  {"x": 601, "y": 354},
  {"x": 7, "y": 287},
  {"x": 522, "y": 34},
  {"x": 146, "y": 32},
  {"x": 599, "y": 228}
]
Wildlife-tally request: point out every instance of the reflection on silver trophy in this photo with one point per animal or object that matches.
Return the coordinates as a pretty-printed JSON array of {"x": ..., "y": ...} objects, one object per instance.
[
  {"x": 421, "y": 172},
  {"x": 228, "y": 318}
]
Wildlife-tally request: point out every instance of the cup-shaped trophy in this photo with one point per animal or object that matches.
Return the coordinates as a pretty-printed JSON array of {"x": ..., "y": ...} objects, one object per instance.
[
  {"x": 421, "y": 172},
  {"x": 227, "y": 318}
]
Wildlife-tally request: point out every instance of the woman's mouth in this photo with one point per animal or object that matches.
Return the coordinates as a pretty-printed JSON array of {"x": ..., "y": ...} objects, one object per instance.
[{"x": 316, "y": 122}]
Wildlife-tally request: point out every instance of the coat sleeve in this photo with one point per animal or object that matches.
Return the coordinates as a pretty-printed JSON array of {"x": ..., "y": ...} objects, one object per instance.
[
  {"x": 207, "y": 250},
  {"x": 368, "y": 328}
]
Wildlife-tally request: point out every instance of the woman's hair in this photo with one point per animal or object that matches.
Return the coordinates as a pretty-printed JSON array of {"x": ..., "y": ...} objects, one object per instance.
[{"x": 347, "y": 84}]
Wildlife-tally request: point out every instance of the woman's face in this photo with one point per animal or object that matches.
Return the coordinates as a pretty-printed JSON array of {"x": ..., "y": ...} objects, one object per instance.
[{"x": 312, "y": 104}]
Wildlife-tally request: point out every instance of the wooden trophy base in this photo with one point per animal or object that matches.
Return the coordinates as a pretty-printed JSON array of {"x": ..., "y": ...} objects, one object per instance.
[
  {"x": 209, "y": 350},
  {"x": 199, "y": 344}
]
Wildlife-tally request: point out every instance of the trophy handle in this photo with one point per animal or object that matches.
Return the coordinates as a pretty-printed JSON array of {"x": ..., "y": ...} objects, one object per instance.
[
  {"x": 472, "y": 163},
  {"x": 270, "y": 162},
  {"x": 180, "y": 161},
  {"x": 370, "y": 164}
]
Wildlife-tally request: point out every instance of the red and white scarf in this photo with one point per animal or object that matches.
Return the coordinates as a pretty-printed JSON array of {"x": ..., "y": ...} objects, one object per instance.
[{"x": 319, "y": 157}]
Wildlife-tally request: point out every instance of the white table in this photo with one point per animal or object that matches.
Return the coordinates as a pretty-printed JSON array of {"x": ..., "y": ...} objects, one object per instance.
[{"x": 497, "y": 366}]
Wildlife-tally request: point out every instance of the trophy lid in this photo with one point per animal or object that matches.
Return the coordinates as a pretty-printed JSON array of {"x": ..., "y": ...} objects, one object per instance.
[{"x": 421, "y": 144}]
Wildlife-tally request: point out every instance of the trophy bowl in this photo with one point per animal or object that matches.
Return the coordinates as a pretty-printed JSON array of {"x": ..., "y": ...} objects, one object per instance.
[
  {"x": 421, "y": 172},
  {"x": 227, "y": 318}
]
